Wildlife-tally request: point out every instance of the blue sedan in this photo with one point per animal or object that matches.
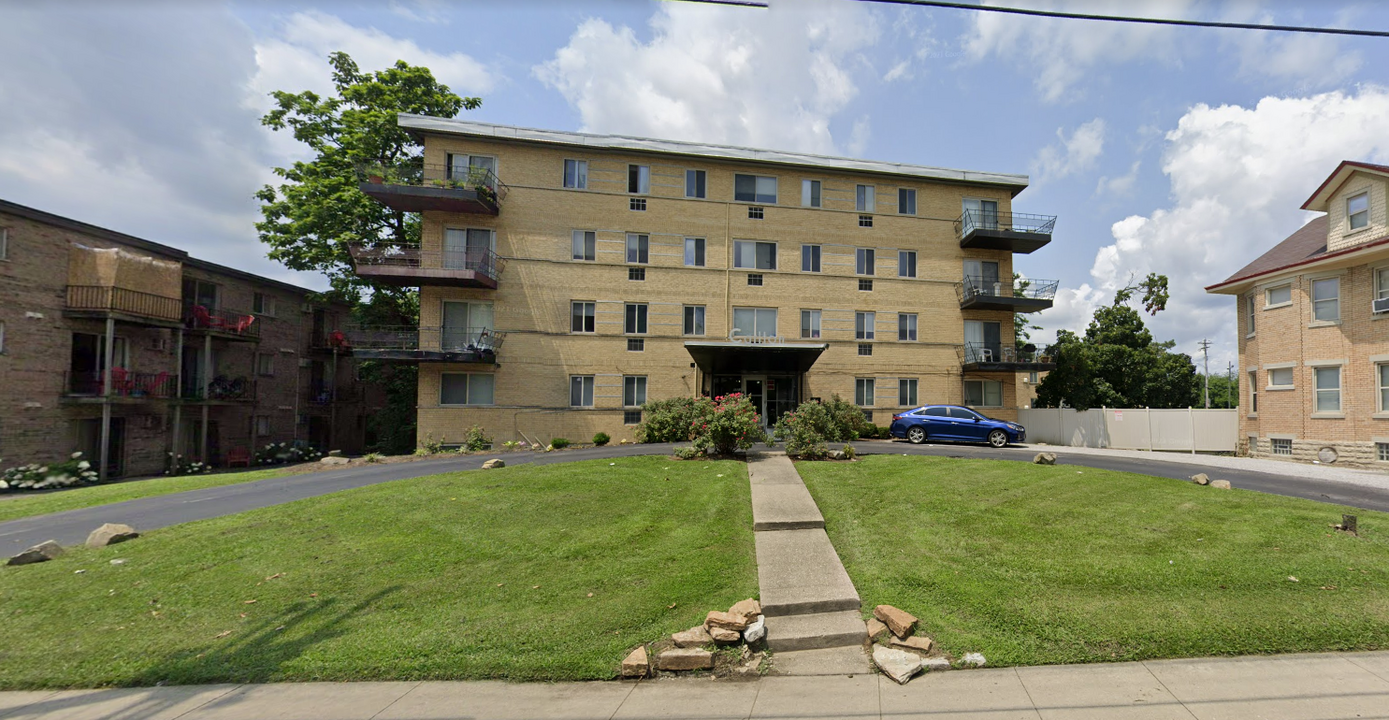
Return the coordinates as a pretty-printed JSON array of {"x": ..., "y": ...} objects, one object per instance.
[{"x": 954, "y": 423}]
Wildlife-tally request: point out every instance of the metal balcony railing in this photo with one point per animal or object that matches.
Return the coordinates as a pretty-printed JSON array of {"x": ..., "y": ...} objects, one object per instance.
[
  {"x": 117, "y": 299},
  {"x": 480, "y": 260},
  {"x": 973, "y": 220},
  {"x": 222, "y": 387},
  {"x": 324, "y": 393},
  {"x": 437, "y": 339},
  {"x": 458, "y": 177},
  {"x": 124, "y": 384},
  {"x": 974, "y": 353},
  {"x": 222, "y": 320},
  {"x": 978, "y": 286}
]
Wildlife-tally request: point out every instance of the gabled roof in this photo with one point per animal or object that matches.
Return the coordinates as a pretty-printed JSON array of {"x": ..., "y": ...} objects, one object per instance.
[
  {"x": 1317, "y": 202},
  {"x": 1304, "y": 247}
]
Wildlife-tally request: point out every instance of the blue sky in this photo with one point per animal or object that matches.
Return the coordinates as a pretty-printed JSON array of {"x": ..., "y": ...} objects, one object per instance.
[{"x": 1180, "y": 151}]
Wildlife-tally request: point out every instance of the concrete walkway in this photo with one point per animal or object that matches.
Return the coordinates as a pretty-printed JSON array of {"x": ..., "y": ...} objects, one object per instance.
[{"x": 1341, "y": 685}]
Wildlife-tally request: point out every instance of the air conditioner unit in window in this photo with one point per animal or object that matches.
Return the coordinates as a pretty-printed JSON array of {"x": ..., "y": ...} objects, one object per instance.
[{"x": 1381, "y": 305}]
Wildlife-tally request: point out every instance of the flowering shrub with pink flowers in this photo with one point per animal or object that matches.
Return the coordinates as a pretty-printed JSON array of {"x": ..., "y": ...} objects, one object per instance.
[{"x": 727, "y": 424}]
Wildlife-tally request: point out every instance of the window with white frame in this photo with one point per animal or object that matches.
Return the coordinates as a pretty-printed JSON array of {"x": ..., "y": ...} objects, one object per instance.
[
  {"x": 865, "y": 199},
  {"x": 472, "y": 168},
  {"x": 1280, "y": 446},
  {"x": 863, "y": 392},
  {"x": 694, "y": 320},
  {"x": 694, "y": 252},
  {"x": 695, "y": 184},
  {"x": 263, "y": 304},
  {"x": 754, "y": 255},
  {"x": 576, "y": 174},
  {"x": 864, "y": 261},
  {"x": 906, "y": 327},
  {"x": 633, "y": 391},
  {"x": 810, "y": 324},
  {"x": 1326, "y": 299},
  {"x": 582, "y": 317},
  {"x": 585, "y": 245},
  {"x": 754, "y": 189},
  {"x": 4, "y": 243},
  {"x": 1382, "y": 283},
  {"x": 262, "y": 425},
  {"x": 638, "y": 248},
  {"x": 906, "y": 263},
  {"x": 1280, "y": 378},
  {"x": 466, "y": 388},
  {"x": 1382, "y": 451},
  {"x": 639, "y": 179},
  {"x": 1358, "y": 210},
  {"x": 864, "y": 323},
  {"x": 265, "y": 364},
  {"x": 1253, "y": 392},
  {"x": 754, "y": 322},
  {"x": 1382, "y": 381},
  {"x": 1249, "y": 314},
  {"x": 581, "y": 391},
  {"x": 810, "y": 258},
  {"x": 984, "y": 393},
  {"x": 1275, "y": 296},
  {"x": 906, "y": 392},
  {"x": 1328, "y": 389},
  {"x": 635, "y": 322},
  {"x": 810, "y": 193},
  {"x": 906, "y": 201}
]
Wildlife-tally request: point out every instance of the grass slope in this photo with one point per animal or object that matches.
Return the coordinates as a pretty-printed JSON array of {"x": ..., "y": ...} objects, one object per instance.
[
  {"x": 21, "y": 505},
  {"x": 428, "y": 578},
  {"x": 1035, "y": 565}
]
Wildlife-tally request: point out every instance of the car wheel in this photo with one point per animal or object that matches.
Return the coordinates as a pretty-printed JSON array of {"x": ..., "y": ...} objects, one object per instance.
[
  {"x": 916, "y": 435},
  {"x": 998, "y": 438}
]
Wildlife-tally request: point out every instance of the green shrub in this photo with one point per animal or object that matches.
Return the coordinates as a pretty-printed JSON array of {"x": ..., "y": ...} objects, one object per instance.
[
  {"x": 601, "y": 438},
  {"x": 733, "y": 424},
  {"x": 846, "y": 420},
  {"x": 70, "y": 472},
  {"x": 670, "y": 420},
  {"x": 559, "y": 443},
  {"x": 849, "y": 451},
  {"x": 372, "y": 457},
  {"x": 475, "y": 440},
  {"x": 686, "y": 453},
  {"x": 803, "y": 430}
]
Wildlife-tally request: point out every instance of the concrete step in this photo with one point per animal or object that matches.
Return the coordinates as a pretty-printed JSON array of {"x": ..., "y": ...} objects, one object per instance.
[
  {"x": 817, "y": 630},
  {"x": 779, "y": 498},
  {"x": 843, "y": 660},
  {"x": 799, "y": 572}
]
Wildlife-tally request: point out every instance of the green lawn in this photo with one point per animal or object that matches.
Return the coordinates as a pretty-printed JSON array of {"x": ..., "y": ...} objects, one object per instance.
[
  {"x": 428, "y": 578},
  {"x": 1036, "y": 565},
  {"x": 20, "y": 505}
]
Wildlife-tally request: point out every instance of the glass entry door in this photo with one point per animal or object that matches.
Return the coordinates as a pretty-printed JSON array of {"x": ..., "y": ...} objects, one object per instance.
[{"x": 756, "y": 390}]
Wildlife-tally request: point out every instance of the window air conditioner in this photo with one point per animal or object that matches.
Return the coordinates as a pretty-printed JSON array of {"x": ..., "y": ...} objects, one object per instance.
[{"x": 1381, "y": 305}]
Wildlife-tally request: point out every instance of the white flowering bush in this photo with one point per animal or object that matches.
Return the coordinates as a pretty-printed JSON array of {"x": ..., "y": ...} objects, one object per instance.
[
  {"x": 177, "y": 465},
  {"x": 281, "y": 453},
  {"x": 71, "y": 472}
]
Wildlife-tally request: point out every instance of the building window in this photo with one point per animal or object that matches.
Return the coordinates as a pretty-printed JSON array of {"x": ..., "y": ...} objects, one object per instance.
[
  {"x": 2, "y": 336},
  {"x": 865, "y": 221},
  {"x": 1281, "y": 446},
  {"x": 1249, "y": 315},
  {"x": 810, "y": 324},
  {"x": 754, "y": 189},
  {"x": 635, "y": 323},
  {"x": 754, "y": 322},
  {"x": 906, "y": 392},
  {"x": 636, "y": 344},
  {"x": 633, "y": 391},
  {"x": 864, "y": 199},
  {"x": 694, "y": 251},
  {"x": 265, "y": 364},
  {"x": 471, "y": 167},
  {"x": 1253, "y": 393},
  {"x": 262, "y": 425},
  {"x": 984, "y": 393},
  {"x": 576, "y": 174},
  {"x": 636, "y": 273},
  {"x": 906, "y": 201},
  {"x": 865, "y": 349},
  {"x": 863, "y": 392},
  {"x": 581, "y": 391},
  {"x": 631, "y": 417},
  {"x": 4, "y": 243},
  {"x": 810, "y": 193},
  {"x": 639, "y": 179},
  {"x": 810, "y": 258},
  {"x": 754, "y": 255},
  {"x": 1281, "y": 295},
  {"x": 865, "y": 284},
  {"x": 465, "y": 388},
  {"x": 1328, "y": 381},
  {"x": 1280, "y": 378},
  {"x": 906, "y": 263},
  {"x": 638, "y": 248},
  {"x": 864, "y": 325},
  {"x": 1381, "y": 282},
  {"x": 863, "y": 261},
  {"x": 585, "y": 245},
  {"x": 694, "y": 319},
  {"x": 1326, "y": 299},
  {"x": 638, "y": 204},
  {"x": 1358, "y": 210},
  {"x": 906, "y": 327},
  {"x": 1381, "y": 374},
  {"x": 1382, "y": 451},
  {"x": 756, "y": 212},
  {"x": 694, "y": 184},
  {"x": 262, "y": 304},
  {"x": 1032, "y": 377},
  {"x": 755, "y": 279},
  {"x": 582, "y": 315}
]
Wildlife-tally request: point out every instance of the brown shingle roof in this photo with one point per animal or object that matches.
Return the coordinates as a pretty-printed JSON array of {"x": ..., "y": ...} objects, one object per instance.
[{"x": 1308, "y": 242}]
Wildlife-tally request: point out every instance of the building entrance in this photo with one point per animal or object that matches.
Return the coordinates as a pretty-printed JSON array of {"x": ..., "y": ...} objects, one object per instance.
[{"x": 772, "y": 395}]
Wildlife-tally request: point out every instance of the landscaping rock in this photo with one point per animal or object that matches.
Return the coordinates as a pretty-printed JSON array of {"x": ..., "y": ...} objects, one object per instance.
[
  {"x": 936, "y": 664},
  {"x": 694, "y": 637},
  {"x": 636, "y": 664},
  {"x": 725, "y": 620},
  {"x": 900, "y": 622},
  {"x": 43, "y": 552},
  {"x": 335, "y": 460},
  {"x": 685, "y": 659},
  {"x": 973, "y": 660},
  {"x": 110, "y": 534},
  {"x": 494, "y": 463},
  {"x": 756, "y": 630},
  {"x": 876, "y": 629},
  {"x": 334, "y": 453},
  {"x": 899, "y": 665},
  {"x": 1201, "y": 479},
  {"x": 921, "y": 644},
  {"x": 724, "y": 636},
  {"x": 1221, "y": 484},
  {"x": 748, "y": 610},
  {"x": 1045, "y": 458},
  {"x": 836, "y": 455}
]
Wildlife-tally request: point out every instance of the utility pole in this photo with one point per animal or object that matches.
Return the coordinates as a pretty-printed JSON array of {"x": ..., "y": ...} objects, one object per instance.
[
  {"x": 1230, "y": 392},
  {"x": 1205, "y": 352}
]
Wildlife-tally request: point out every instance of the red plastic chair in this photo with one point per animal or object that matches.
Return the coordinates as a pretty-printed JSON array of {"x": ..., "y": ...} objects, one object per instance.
[
  {"x": 155, "y": 387},
  {"x": 121, "y": 382},
  {"x": 205, "y": 319},
  {"x": 243, "y": 324},
  {"x": 239, "y": 454}
]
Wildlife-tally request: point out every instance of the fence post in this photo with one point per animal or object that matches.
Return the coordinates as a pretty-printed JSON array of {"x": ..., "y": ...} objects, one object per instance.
[
  {"x": 1191, "y": 418},
  {"x": 1147, "y": 415}
]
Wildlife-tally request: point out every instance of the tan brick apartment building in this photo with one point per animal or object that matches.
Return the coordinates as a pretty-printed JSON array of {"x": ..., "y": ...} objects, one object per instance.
[
  {"x": 1314, "y": 328},
  {"x": 619, "y": 270},
  {"x": 110, "y": 340}
]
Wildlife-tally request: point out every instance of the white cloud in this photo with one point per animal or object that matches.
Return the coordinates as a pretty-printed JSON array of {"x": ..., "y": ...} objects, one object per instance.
[
  {"x": 774, "y": 79},
  {"x": 1303, "y": 60},
  {"x": 1070, "y": 155},
  {"x": 1121, "y": 185}
]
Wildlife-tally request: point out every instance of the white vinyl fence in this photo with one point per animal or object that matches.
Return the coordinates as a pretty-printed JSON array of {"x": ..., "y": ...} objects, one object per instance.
[{"x": 1188, "y": 430}]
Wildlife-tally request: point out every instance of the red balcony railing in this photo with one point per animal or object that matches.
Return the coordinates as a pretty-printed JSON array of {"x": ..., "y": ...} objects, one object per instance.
[{"x": 124, "y": 384}]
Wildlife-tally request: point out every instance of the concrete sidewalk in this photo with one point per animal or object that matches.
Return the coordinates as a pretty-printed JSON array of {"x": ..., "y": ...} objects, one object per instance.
[
  {"x": 1331, "y": 473},
  {"x": 1340, "y": 685}
]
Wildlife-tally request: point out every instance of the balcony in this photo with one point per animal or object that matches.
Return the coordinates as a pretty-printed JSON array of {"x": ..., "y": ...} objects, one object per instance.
[
  {"x": 431, "y": 344},
  {"x": 410, "y": 266},
  {"x": 981, "y": 293},
  {"x": 993, "y": 230},
  {"x": 1001, "y": 357},
  {"x": 323, "y": 394},
  {"x": 102, "y": 301},
  {"x": 442, "y": 188},
  {"x": 222, "y": 389},
  {"x": 126, "y": 386},
  {"x": 222, "y": 322}
]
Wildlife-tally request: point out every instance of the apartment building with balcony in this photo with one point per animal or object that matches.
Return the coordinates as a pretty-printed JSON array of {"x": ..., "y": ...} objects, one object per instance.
[
  {"x": 566, "y": 279},
  {"x": 126, "y": 350},
  {"x": 1313, "y": 319}
]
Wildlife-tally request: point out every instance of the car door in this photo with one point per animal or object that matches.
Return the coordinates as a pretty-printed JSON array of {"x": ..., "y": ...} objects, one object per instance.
[
  {"x": 937, "y": 423},
  {"x": 968, "y": 424}
]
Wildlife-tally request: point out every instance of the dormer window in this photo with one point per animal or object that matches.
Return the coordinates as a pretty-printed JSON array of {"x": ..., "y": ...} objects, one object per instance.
[{"x": 1358, "y": 210}]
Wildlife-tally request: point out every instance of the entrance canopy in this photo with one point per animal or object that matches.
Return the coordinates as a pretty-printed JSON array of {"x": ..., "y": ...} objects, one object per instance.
[{"x": 742, "y": 358}]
